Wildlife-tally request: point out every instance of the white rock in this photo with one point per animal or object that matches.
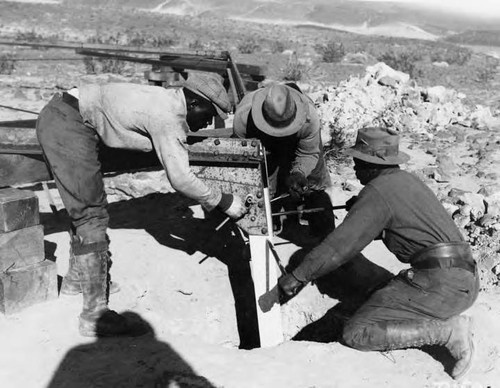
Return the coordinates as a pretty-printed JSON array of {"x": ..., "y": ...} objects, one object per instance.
[
  {"x": 473, "y": 204},
  {"x": 380, "y": 70}
]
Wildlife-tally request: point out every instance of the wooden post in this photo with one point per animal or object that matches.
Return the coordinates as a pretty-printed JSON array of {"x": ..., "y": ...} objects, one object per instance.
[{"x": 265, "y": 278}]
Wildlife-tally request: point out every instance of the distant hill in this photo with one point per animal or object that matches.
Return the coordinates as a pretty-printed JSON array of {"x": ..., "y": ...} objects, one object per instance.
[
  {"x": 365, "y": 17},
  {"x": 484, "y": 38}
]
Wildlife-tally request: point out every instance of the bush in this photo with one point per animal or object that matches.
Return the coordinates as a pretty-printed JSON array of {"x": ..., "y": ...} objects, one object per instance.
[
  {"x": 331, "y": 52},
  {"x": 197, "y": 45},
  {"x": 404, "y": 61},
  {"x": 294, "y": 69},
  {"x": 487, "y": 71},
  {"x": 7, "y": 64},
  {"x": 451, "y": 55},
  {"x": 96, "y": 66},
  {"x": 248, "y": 46},
  {"x": 277, "y": 47},
  {"x": 30, "y": 36}
]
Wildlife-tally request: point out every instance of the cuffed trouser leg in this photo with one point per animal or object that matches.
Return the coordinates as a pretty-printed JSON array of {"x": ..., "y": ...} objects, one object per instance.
[{"x": 71, "y": 150}]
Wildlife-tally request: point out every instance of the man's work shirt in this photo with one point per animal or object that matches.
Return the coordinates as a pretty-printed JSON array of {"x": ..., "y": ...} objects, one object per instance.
[
  {"x": 300, "y": 152},
  {"x": 396, "y": 203},
  {"x": 143, "y": 118}
]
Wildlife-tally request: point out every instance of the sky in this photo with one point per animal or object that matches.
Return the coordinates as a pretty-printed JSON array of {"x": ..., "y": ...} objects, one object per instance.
[{"x": 472, "y": 7}]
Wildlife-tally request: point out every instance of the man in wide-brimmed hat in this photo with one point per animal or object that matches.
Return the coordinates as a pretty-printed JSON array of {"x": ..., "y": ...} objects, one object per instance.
[
  {"x": 286, "y": 122},
  {"x": 127, "y": 116},
  {"x": 421, "y": 305}
]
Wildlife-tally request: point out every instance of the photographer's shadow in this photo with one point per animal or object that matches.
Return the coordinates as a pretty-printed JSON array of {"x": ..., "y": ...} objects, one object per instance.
[
  {"x": 351, "y": 284},
  {"x": 140, "y": 361}
]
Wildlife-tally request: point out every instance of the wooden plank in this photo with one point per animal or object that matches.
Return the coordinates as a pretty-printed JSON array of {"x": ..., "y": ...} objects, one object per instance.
[
  {"x": 22, "y": 162},
  {"x": 27, "y": 286},
  {"x": 18, "y": 209},
  {"x": 264, "y": 275},
  {"x": 21, "y": 247},
  {"x": 21, "y": 169}
]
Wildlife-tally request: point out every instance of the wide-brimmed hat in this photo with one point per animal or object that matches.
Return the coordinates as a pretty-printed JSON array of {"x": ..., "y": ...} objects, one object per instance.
[
  {"x": 279, "y": 110},
  {"x": 377, "y": 145},
  {"x": 210, "y": 87}
]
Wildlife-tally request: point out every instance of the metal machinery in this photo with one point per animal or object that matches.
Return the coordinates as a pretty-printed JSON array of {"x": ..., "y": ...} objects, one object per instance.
[{"x": 234, "y": 165}]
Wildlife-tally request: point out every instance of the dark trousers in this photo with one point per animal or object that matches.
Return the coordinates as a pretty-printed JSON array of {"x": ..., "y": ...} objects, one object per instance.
[
  {"x": 321, "y": 223},
  {"x": 71, "y": 150},
  {"x": 413, "y": 295}
]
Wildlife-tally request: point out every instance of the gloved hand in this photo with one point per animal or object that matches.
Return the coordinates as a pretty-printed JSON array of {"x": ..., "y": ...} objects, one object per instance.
[
  {"x": 350, "y": 202},
  {"x": 297, "y": 185},
  {"x": 237, "y": 209},
  {"x": 289, "y": 286}
]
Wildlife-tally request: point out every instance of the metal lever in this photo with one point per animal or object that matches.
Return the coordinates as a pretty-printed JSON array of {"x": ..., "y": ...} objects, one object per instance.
[{"x": 313, "y": 210}]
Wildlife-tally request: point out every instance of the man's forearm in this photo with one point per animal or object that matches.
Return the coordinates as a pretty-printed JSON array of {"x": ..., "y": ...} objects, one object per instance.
[{"x": 322, "y": 260}]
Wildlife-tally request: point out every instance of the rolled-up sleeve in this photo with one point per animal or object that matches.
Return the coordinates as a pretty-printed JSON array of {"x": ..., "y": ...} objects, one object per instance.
[{"x": 173, "y": 155}]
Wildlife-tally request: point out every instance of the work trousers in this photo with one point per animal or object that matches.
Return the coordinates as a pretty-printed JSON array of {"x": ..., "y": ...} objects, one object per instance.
[
  {"x": 321, "y": 223},
  {"x": 413, "y": 295},
  {"x": 71, "y": 151}
]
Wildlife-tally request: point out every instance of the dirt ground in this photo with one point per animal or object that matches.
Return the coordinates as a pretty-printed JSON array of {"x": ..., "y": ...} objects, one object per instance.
[
  {"x": 160, "y": 245},
  {"x": 190, "y": 285}
]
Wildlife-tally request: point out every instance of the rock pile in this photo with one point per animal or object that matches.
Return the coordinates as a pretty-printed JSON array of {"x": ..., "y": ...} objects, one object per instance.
[{"x": 390, "y": 98}]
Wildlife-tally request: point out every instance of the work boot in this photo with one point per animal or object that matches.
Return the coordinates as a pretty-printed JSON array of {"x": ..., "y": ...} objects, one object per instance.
[
  {"x": 71, "y": 283},
  {"x": 461, "y": 345},
  {"x": 455, "y": 334},
  {"x": 96, "y": 320}
]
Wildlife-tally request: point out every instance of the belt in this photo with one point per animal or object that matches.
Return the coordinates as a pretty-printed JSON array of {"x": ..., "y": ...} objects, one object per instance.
[
  {"x": 72, "y": 101},
  {"x": 445, "y": 255}
]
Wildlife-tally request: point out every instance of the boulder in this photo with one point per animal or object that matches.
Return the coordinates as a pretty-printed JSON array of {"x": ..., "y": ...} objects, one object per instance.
[
  {"x": 482, "y": 118},
  {"x": 380, "y": 70},
  {"x": 473, "y": 205},
  {"x": 439, "y": 95}
]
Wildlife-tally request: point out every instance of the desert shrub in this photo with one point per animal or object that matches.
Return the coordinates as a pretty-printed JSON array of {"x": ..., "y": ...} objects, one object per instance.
[
  {"x": 29, "y": 36},
  {"x": 248, "y": 46},
  {"x": 294, "y": 70},
  {"x": 133, "y": 38},
  {"x": 277, "y": 47},
  {"x": 101, "y": 38},
  {"x": 331, "y": 52},
  {"x": 196, "y": 45},
  {"x": 161, "y": 41},
  {"x": 7, "y": 64},
  {"x": 137, "y": 40},
  {"x": 90, "y": 65},
  {"x": 404, "y": 61},
  {"x": 98, "y": 65},
  {"x": 451, "y": 55},
  {"x": 487, "y": 71},
  {"x": 114, "y": 66}
]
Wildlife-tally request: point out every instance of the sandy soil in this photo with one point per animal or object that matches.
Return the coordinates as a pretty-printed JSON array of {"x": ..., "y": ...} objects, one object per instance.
[
  {"x": 191, "y": 310},
  {"x": 185, "y": 281},
  {"x": 188, "y": 283}
]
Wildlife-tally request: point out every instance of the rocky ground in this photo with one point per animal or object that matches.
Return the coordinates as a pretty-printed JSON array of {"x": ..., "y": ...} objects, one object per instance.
[{"x": 183, "y": 279}]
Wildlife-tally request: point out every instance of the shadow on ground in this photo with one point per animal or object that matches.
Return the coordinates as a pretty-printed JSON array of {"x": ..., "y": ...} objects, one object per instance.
[
  {"x": 141, "y": 361},
  {"x": 170, "y": 220},
  {"x": 351, "y": 285}
]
